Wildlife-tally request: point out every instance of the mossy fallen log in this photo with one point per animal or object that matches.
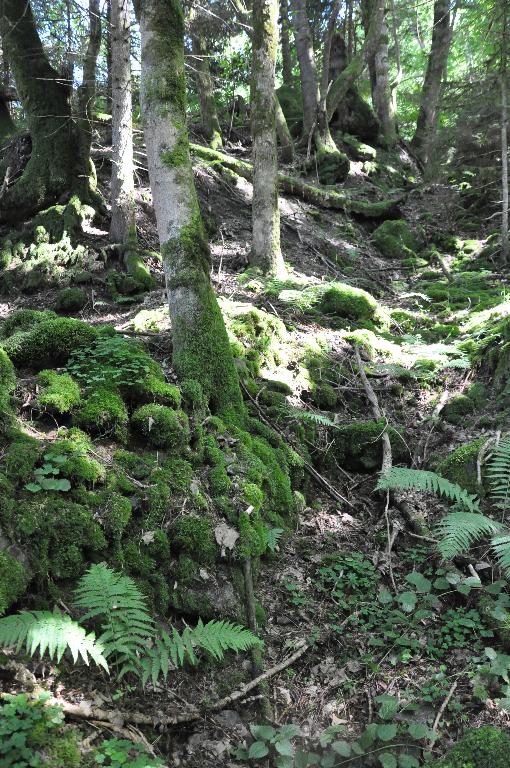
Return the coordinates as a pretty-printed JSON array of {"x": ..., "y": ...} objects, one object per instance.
[{"x": 383, "y": 209}]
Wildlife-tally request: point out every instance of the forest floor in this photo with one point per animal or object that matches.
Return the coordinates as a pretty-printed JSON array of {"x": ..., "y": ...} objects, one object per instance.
[{"x": 341, "y": 575}]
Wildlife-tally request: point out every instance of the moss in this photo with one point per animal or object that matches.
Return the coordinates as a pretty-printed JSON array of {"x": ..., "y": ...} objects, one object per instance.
[
  {"x": 49, "y": 343},
  {"x": 358, "y": 445},
  {"x": 457, "y": 408},
  {"x": 187, "y": 569},
  {"x": 13, "y": 580},
  {"x": 180, "y": 474},
  {"x": 261, "y": 336},
  {"x": 162, "y": 427},
  {"x": 23, "y": 320},
  {"x": 477, "y": 392},
  {"x": 79, "y": 466},
  {"x": 117, "y": 512},
  {"x": 21, "y": 458},
  {"x": 157, "y": 504},
  {"x": 346, "y": 301},
  {"x": 103, "y": 413},
  {"x": 137, "y": 465},
  {"x": 460, "y": 466},
  {"x": 219, "y": 481},
  {"x": 324, "y": 396},
  {"x": 395, "y": 239},
  {"x": 252, "y": 495},
  {"x": 193, "y": 394},
  {"x": 485, "y": 747},
  {"x": 138, "y": 270},
  {"x": 332, "y": 165},
  {"x": 7, "y": 385},
  {"x": 70, "y": 300},
  {"x": 252, "y": 536},
  {"x": 60, "y": 393},
  {"x": 194, "y": 536},
  {"x": 157, "y": 391}
]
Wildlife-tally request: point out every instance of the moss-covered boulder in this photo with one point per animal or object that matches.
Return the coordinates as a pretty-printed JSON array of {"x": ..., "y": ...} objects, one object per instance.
[
  {"x": 457, "y": 408},
  {"x": 13, "y": 580},
  {"x": 485, "y": 747},
  {"x": 23, "y": 320},
  {"x": 103, "y": 413},
  {"x": 48, "y": 343},
  {"x": 331, "y": 164},
  {"x": 395, "y": 240},
  {"x": 347, "y": 301},
  {"x": 358, "y": 446},
  {"x": 58, "y": 393},
  {"x": 460, "y": 466},
  {"x": 162, "y": 427},
  {"x": 70, "y": 300}
]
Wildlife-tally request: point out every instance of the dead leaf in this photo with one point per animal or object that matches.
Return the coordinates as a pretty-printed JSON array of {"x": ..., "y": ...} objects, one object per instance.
[{"x": 226, "y": 537}]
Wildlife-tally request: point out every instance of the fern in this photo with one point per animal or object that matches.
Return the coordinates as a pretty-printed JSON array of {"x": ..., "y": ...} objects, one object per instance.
[
  {"x": 498, "y": 471},
  {"x": 460, "y": 530},
  {"x": 52, "y": 633},
  {"x": 315, "y": 418},
  {"x": 215, "y": 638},
  {"x": 501, "y": 546},
  {"x": 421, "y": 480},
  {"x": 121, "y": 607}
]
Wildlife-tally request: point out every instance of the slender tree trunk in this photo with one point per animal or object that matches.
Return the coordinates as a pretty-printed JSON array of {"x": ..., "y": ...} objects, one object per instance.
[
  {"x": 201, "y": 349},
  {"x": 123, "y": 224},
  {"x": 426, "y": 125},
  {"x": 56, "y": 163},
  {"x": 288, "y": 78},
  {"x": 284, "y": 134},
  {"x": 504, "y": 138},
  {"x": 87, "y": 90},
  {"x": 108, "y": 54},
  {"x": 398, "y": 61},
  {"x": 7, "y": 126},
  {"x": 205, "y": 88},
  {"x": 266, "y": 252},
  {"x": 382, "y": 91},
  {"x": 307, "y": 69}
]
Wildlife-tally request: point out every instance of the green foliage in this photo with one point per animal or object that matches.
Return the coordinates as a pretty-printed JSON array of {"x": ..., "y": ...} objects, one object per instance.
[
  {"x": 498, "y": 473},
  {"x": 194, "y": 535},
  {"x": 45, "y": 477},
  {"x": 121, "y": 753},
  {"x": 485, "y": 747},
  {"x": 459, "y": 530},
  {"x": 457, "y": 408},
  {"x": 162, "y": 427},
  {"x": 51, "y": 633},
  {"x": 60, "y": 393},
  {"x": 422, "y": 480},
  {"x": 31, "y": 735},
  {"x": 103, "y": 413},
  {"x": 13, "y": 580},
  {"x": 70, "y": 300}
]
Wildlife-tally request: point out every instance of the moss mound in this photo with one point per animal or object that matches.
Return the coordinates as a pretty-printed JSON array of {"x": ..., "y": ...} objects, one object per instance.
[
  {"x": 7, "y": 384},
  {"x": 395, "y": 240},
  {"x": 13, "y": 580},
  {"x": 485, "y": 747},
  {"x": 347, "y": 301},
  {"x": 23, "y": 320},
  {"x": 59, "y": 394},
  {"x": 162, "y": 427},
  {"x": 460, "y": 466},
  {"x": 104, "y": 413},
  {"x": 70, "y": 300},
  {"x": 358, "y": 446},
  {"x": 49, "y": 343},
  {"x": 457, "y": 408}
]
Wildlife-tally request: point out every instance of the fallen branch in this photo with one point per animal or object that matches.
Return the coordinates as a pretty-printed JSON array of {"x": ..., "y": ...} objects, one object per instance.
[
  {"x": 384, "y": 209},
  {"x": 440, "y": 714},
  {"x": 374, "y": 402}
]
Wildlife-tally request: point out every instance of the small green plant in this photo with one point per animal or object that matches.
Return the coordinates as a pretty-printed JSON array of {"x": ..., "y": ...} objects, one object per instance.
[
  {"x": 121, "y": 753},
  {"x": 110, "y": 361},
  {"x": 46, "y": 477}
]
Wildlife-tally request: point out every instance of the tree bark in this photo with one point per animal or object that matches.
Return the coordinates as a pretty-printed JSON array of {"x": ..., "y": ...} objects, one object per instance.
[
  {"x": 382, "y": 91},
  {"x": 266, "y": 252},
  {"x": 284, "y": 134},
  {"x": 108, "y": 54},
  {"x": 205, "y": 89},
  {"x": 288, "y": 78},
  {"x": 123, "y": 223},
  {"x": 201, "y": 348},
  {"x": 7, "y": 126},
  {"x": 56, "y": 165},
  {"x": 426, "y": 124},
  {"x": 504, "y": 138},
  {"x": 87, "y": 90},
  {"x": 307, "y": 68}
]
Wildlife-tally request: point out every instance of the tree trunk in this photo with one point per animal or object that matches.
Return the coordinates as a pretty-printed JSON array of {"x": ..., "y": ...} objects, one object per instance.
[
  {"x": 205, "y": 89},
  {"x": 7, "y": 126},
  {"x": 266, "y": 252},
  {"x": 426, "y": 125},
  {"x": 382, "y": 92},
  {"x": 288, "y": 78},
  {"x": 87, "y": 90},
  {"x": 504, "y": 138},
  {"x": 123, "y": 224},
  {"x": 307, "y": 69},
  {"x": 284, "y": 134},
  {"x": 108, "y": 54},
  {"x": 201, "y": 349},
  {"x": 56, "y": 164}
]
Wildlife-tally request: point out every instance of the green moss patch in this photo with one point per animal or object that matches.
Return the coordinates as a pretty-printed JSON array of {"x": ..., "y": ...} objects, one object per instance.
[
  {"x": 395, "y": 240},
  {"x": 70, "y": 300},
  {"x": 358, "y": 446},
  {"x": 103, "y": 413},
  {"x": 460, "y": 466},
  {"x": 485, "y": 747},
  {"x": 162, "y": 427},
  {"x": 346, "y": 301},
  {"x": 59, "y": 393},
  {"x": 49, "y": 343}
]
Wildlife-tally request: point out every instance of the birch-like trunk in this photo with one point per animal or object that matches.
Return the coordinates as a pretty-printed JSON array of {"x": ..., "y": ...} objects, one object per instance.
[
  {"x": 307, "y": 68},
  {"x": 87, "y": 90},
  {"x": 288, "y": 78},
  {"x": 266, "y": 252},
  {"x": 426, "y": 124},
  {"x": 123, "y": 223},
  {"x": 201, "y": 349},
  {"x": 505, "y": 248},
  {"x": 205, "y": 89}
]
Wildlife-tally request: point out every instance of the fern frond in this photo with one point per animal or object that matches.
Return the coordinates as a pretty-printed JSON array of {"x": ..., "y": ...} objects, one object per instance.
[
  {"x": 316, "y": 418},
  {"x": 51, "y": 633},
  {"x": 501, "y": 547},
  {"x": 406, "y": 479},
  {"x": 115, "y": 600},
  {"x": 498, "y": 471},
  {"x": 458, "y": 531},
  {"x": 215, "y": 637}
]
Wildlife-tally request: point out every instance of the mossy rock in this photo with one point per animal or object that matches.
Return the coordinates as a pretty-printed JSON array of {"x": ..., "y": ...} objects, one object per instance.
[
  {"x": 70, "y": 300},
  {"x": 347, "y": 301},
  {"x": 457, "y": 408},
  {"x": 59, "y": 392},
  {"x": 23, "y": 320},
  {"x": 485, "y": 747},
  {"x": 324, "y": 396},
  {"x": 460, "y": 466},
  {"x": 49, "y": 343},
  {"x": 194, "y": 535},
  {"x": 103, "y": 413},
  {"x": 332, "y": 165},
  {"x": 357, "y": 149},
  {"x": 358, "y": 446},
  {"x": 395, "y": 240},
  {"x": 13, "y": 580},
  {"x": 162, "y": 427},
  {"x": 7, "y": 385}
]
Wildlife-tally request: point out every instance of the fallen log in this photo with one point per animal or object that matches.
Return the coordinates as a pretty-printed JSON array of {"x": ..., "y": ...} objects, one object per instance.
[{"x": 364, "y": 209}]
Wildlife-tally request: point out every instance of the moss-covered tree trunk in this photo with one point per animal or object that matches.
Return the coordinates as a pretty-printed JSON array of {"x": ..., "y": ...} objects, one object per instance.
[
  {"x": 7, "y": 126},
  {"x": 288, "y": 78},
  {"x": 284, "y": 134},
  {"x": 87, "y": 90},
  {"x": 307, "y": 68},
  {"x": 426, "y": 124},
  {"x": 201, "y": 349},
  {"x": 56, "y": 165},
  {"x": 208, "y": 112},
  {"x": 123, "y": 223},
  {"x": 381, "y": 93},
  {"x": 265, "y": 252}
]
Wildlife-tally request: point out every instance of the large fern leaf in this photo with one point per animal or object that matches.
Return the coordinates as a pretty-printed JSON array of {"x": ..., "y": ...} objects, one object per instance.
[
  {"x": 458, "y": 531},
  {"x": 501, "y": 547},
  {"x": 50, "y": 633},
  {"x": 215, "y": 638},
  {"x": 121, "y": 608},
  {"x": 498, "y": 471},
  {"x": 403, "y": 478}
]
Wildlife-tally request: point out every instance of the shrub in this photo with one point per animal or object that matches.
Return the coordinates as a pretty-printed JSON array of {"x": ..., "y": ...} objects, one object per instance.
[
  {"x": 70, "y": 300},
  {"x": 104, "y": 413},
  {"x": 162, "y": 426},
  {"x": 60, "y": 392}
]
